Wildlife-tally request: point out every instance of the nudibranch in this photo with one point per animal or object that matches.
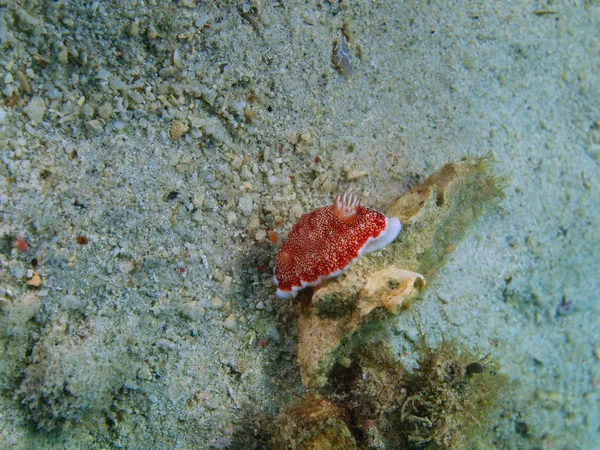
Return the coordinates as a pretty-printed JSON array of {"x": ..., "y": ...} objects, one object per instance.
[{"x": 326, "y": 242}]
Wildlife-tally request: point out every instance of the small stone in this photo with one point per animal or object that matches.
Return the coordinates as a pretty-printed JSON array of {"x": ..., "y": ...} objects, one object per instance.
[
  {"x": 151, "y": 33},
  {"x": 216, "y": 302},
  {"x": 35, "y": 109},
  {"x": 63, "y": 55},
  {"x": 105, "y": 110},
  {"x": 230, "y": 322},
  {"x": 302, "y": 142},
  {"x": 355, "y": 174},
  {"x": 144, "y": 373},
  {"x": 202, "y": 21},
  {"x": 341, "y": 57},
  {"x": 134, "y": 28},
  {"x": 87, "y": 110},
  {"x": 69, "y": 302},
  {"x": 18, "y": 271},
  {"x": 309, "y": 18},
  {"x": 116, "y": 84},
  {"x": 245, "y": 173},
  {"x": 253, "y": 224},
  {"x": 412, "y": 335},
  {"x": 93, "y": 126},
  {"x": 136, "y": 97},
  {"x": 218, "y": 275},
  {"x": 197, "y": 216},
  {"x": 198, "y": 199},
  {"x": 260, "y": 305},
  {"x": 35, "y": 280},
  {"x": 178, "y": 129},
  {"x": 246, "y": 205},
  {"x": 177, "y": 62},
  {"x": 193, "y": 310},
  {"x": 23, "y": 81},
  {"x": 296, "y": 211}
]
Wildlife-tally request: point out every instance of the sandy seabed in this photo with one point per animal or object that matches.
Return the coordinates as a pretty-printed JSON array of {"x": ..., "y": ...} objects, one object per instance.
[{"x": 148, "y": 148}]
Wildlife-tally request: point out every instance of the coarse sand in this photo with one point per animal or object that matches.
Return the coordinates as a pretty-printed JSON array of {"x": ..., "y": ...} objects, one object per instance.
[{"x": 149, "y": 150}]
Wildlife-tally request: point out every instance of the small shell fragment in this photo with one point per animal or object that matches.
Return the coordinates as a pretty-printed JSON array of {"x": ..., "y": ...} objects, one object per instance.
[
  {"x": 35, "y": 281},
  {"x": 178, "y": 129},
  {"x": 341, "y": 58}
]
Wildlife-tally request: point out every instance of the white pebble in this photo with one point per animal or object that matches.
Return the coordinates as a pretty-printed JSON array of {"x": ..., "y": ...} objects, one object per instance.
[
  {"x": 105, "y": 110},
  {"x": 412, "y": 335},
  {"x": 35, "y": 109},
  {"x": 202, "y": 21},
  {"x": 216, "y": 302},
  {"x": 296, "y": 210},
  {"x": 229, "y": 322},
  {"x": 246, "y": 205},
  {"x": 103, "y": 74},
  {"x": 69, "y": 302}
]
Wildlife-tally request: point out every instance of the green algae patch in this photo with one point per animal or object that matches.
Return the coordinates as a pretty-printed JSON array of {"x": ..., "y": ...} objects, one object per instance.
[{"x": 437, "y": 213}]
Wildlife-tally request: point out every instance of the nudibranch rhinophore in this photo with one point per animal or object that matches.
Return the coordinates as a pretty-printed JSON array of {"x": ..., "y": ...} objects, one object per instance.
[{"x": 326, "y": 242}]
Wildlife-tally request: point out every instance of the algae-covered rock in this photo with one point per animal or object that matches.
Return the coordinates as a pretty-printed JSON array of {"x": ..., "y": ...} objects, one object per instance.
[
  {"x": 447, "y": 403},
  {"x": 371, "y": 401},
  {"x": 437, "y": 213},
  {"x": 69, "y": 376},
  {"x": 449, "y": 400},
  {"x": 435, "y": 216},
  {"x": 322, "y": 327},
  {"x": 314, "y": 423}
]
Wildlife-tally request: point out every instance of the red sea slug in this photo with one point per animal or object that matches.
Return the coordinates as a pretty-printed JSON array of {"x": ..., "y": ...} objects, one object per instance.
[{"x": 326, "y": 242}]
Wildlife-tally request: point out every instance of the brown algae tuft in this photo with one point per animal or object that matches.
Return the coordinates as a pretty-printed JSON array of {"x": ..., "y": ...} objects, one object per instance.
[
  {"x": 372, "y": 401},
  {"x": 450, "y": 399}
]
